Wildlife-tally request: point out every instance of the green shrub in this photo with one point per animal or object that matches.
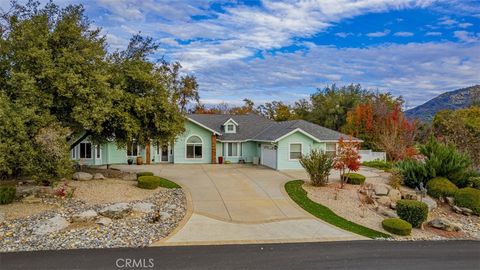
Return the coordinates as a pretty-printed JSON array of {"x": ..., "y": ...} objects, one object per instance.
[
  {"x": 354, "y": 178},
  {"x": 7, "y": 194},
  {"x": 148, "y": 182},
  {"x": 413, "y": 172},
  {"x": 379, "y": 164},
  {"x": 318, "y": 165},
  {"x": 168, "y": 184},
  {"x": 441, "y": 187},
  {"x": 469, "y": 198},
  {"x": 441, "y": 160},
  {"x": 414, "y": 212},
  {"x": 139, "y": 174},
  {"x": 474, "y": 182},
  {"x": 397, "y": 226}
]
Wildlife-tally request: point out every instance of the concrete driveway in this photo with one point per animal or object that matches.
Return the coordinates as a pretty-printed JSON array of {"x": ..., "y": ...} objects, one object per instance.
[{"x": 240, "y": 204}]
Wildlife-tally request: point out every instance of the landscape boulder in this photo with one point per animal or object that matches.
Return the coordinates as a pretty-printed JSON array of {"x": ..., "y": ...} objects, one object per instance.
[
  {"x": 51, "y": 225},
  {"x": 384, "y": 200},
  {"x": 85, "y": 216},
  {"x": 444, "y": 224},
  {"x": 104, "y": 221},
  {"x": 82, "y": 176},
  {"x": 143, "y": 207},
  {"x": 381, "y": 190},
  {"x": 387, "y": 212},
  {"x": 116, "y": 211},
  {"x": 450, "y": 201},
  {"x": 98, "y": 176},
  {"x": 394, "y": 195},
  {"x": 432, "y": 204}
]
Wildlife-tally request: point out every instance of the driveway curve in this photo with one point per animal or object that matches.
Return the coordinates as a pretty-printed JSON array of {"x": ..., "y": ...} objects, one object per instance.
[{"x": 240, "y": 204}]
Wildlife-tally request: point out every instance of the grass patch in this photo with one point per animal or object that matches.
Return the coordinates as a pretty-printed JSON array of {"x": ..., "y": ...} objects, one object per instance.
[
  {"x": 168, "y": 184},
  {"x": 299, "y": 195},
  {"x": 379, "y": 164}
]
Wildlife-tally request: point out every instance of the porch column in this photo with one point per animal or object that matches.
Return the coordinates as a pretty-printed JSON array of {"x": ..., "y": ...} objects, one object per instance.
[
  {"x": 214, "y": 149},
  {"x": 147, "y": 153}
]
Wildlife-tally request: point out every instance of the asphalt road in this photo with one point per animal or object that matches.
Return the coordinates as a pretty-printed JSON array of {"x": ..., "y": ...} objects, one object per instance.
[{"x": 451, "y": 255}]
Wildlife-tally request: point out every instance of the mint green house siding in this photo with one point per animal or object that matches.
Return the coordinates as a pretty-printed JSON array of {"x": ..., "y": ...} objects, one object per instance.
[
  {"x": 249, "y": 150},
  {"x": 179, "y": 151},
  {"x": 283, "y": 147}
]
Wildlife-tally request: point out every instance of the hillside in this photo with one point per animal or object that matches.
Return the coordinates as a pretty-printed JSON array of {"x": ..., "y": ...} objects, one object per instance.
[{"x": 452, "y": 100}]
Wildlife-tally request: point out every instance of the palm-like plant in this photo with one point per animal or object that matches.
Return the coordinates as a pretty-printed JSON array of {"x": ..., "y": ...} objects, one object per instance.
[{"x": 318, "y": 165}]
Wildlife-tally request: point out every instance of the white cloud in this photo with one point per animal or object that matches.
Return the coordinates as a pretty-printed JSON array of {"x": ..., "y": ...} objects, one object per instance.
[
  {"x": 343, "y": 34},
  {"x": 403, "y": 34},
  {"x": 379, "y": 34},
  {"x": 465, "y": 25},
  {"x": 433, "y": 33},
  {"x": 465, "y": 36},
  {"x": 447, "y": 21}
]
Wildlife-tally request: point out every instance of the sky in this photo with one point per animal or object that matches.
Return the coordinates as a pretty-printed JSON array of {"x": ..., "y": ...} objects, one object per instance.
[{"x": 285, "y": 50}]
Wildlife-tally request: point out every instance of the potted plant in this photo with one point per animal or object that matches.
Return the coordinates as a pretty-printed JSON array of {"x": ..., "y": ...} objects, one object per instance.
[
  {"x": 139, "y": 160},
  {"x": 220, "y": 160},
  {"x": 130, "y": 161}
]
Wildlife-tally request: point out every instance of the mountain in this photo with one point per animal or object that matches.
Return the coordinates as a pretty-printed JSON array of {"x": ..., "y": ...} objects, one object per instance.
[{"x": 452, "y": 100}]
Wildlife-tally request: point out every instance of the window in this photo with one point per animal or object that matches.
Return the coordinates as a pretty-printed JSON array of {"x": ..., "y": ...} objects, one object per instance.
[
  {"x": 230, "y": 127},
  {"x": 295, "y": 151},
  {"x": 132, "y": 149},
  {"x": 331, "y": 148},
  {"x": 98, "y": 152},
  {"x": 233, "y": 149},
  {"x": 194, "y": 147},
  {"x": 85, "y": 150},
  {"x": 74, "y": 153}
]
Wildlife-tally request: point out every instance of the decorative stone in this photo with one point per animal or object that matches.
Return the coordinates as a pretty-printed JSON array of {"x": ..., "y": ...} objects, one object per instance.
[
  {"x": 85, "y": 216},
  {"x": 450, "y": 201},
  {"x": 444, "y": 224},
  {"x": 116, "y": 211},
  {"x": 409, "y": 196},
  {"x": 165, "y": 215},
  {"x": 466, "y": 211},
  {"x": 393, "y": 205},
  {"x": 98, "y": 176},
  {"x": 104, "y": 221},
  {"x": 82, "y": 176},
  {"x": 31, "y": 199},
  {"x": 381, "y": 190},
  {"x": 394, "y": 195},
  {"x": 51, "y": 225},
  {"x": 457, "y": 209},
  {"x": 384, "y": 200},
  {"x": 143, "y": 207},
  {"x": 387, "y": 212},
  {"x": 432, "y": 204}
]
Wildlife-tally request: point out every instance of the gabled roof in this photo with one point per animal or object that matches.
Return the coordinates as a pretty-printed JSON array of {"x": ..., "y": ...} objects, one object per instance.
[
  {"x": 230, "y": 120},
  {"x": 252, "y": 127}
]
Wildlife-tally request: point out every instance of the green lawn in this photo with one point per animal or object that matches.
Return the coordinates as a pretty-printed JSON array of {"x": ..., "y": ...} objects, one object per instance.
[
  {"x": 168, "y": 184},
  {"x": 299, "y": 195}
]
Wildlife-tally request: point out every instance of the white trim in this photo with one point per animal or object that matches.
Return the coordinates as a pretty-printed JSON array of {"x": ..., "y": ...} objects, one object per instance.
[
  {"x": 186, "y": 144},
  {"x": 230, "y": 120},
  {"x": 356, "y": 140},
  {"x": 98, "y": 150},
  {"x": 289, "y": 151},
  {"x": 298, "y": 130},
  {"x": 202, "y": 125},
  {"x": 73, "y": 154}
]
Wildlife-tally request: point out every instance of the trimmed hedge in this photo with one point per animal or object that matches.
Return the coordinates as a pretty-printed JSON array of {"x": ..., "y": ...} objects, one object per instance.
[
  {"x": 468, "y": 198},
  {"x": 397, "y": 226},
  {"x": 168, "y": 184},
  {"x": 414, "y": 212},
  {"x": 139, "y": 174},
  {"x": 441, "y": 187},
  {"x": 148, "y": 182},
  {"x": 7, "y": 194},
  {"x": 378, "y": 164},
  {"x": 354, "y": 178}
]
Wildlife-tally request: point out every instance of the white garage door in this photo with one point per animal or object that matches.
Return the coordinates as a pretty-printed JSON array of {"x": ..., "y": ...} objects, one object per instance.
[{"x": 269, "y": 156}]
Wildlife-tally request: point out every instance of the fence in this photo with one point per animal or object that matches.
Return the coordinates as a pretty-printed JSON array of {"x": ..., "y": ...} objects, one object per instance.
[{"x": 369, "y": 155}]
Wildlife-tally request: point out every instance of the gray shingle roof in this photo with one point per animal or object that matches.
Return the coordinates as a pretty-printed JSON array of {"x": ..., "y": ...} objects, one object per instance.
[{"x": 256, "y": 127}]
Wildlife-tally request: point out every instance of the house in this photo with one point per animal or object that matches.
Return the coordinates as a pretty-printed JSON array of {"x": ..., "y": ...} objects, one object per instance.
[{"x": 234, "y": 138}]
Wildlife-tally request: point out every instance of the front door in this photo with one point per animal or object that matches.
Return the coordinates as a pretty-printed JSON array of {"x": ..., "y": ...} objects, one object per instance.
[{"x": 165, "y": 153}]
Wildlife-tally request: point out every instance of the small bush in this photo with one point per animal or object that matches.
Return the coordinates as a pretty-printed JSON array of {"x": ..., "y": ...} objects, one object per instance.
[
  {"x": 7, "y": 194},
  {"x": 441, "y": 187},
  {"x": 395, "y": 180},
  {"x": 148, "y": 182},
  {"x": 318, "y": 165},
  {"x": 469, "y": 198},
  {"x": 168, "y": 184},
  {"x": 414, "y": 212},
  {"x": 378, "y": 164},
  {"x": 397, "y": 226},
  {"x": 139, "y": 174},
  {"x": 354, "y": 178},
  {"x": 474, "y": 182},
  {"x": 413, "y": 172}
]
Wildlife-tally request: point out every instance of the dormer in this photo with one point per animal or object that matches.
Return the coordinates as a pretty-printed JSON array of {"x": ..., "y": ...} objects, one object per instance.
[{"x": 230, "y": 126}]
